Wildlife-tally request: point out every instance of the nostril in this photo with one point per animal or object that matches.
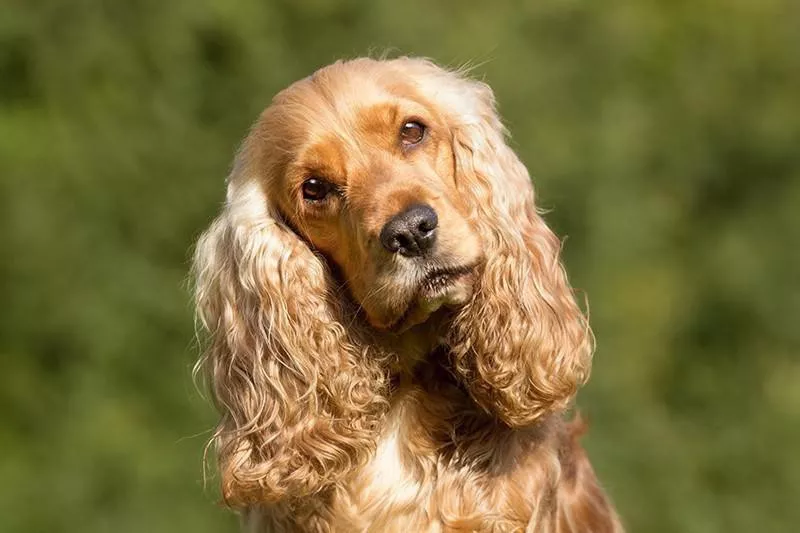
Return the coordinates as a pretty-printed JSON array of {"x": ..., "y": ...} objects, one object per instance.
[
  {"x": 427, "y": 219},
  {"x": 402, "y": 241},
  {"x": 426, "y": 225}
]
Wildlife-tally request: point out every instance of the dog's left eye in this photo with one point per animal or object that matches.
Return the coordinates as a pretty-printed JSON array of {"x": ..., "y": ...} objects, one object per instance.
[
  {"x": 316, "y": 189},
  {"x": 412, "y": 133}
]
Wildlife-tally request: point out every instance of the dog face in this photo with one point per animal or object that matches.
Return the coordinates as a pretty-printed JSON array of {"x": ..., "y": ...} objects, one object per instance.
[{"x": 362, "y": 167}]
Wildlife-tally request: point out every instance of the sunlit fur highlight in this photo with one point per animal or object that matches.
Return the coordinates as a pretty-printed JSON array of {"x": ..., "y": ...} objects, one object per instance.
[{"x": 324, "y": 429}]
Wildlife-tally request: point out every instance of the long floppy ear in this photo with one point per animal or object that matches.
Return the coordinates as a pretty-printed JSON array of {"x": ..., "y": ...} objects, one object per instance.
[
  {"x": 522, "y": 345},
  {"x": 300, "y": 397}
]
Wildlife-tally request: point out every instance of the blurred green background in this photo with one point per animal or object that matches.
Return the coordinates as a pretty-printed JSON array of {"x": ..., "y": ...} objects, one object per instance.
[{"x": 663, "y": 136}]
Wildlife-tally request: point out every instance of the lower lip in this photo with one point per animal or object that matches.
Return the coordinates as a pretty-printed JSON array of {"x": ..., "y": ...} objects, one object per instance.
[
  {"x": 441, "y": 290},
  {"x": 437, "y": 283},
  {"x": 441, "y": 282}
]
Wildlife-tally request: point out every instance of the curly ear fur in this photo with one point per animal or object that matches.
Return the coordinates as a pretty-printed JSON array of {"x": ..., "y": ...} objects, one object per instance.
[
  {"x": 301, "y": 397},
  {"x": 522, "y": 346}
]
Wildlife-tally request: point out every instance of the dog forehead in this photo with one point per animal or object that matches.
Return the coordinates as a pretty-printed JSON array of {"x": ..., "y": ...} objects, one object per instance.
[
  {"x": 344, "y": 122},
  {"x": 308, "y": 112},
  {"x": 349, "y": 124}
]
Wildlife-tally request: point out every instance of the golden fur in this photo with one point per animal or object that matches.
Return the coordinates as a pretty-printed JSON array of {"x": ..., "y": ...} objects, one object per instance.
[{"x": 351, "y": 398}]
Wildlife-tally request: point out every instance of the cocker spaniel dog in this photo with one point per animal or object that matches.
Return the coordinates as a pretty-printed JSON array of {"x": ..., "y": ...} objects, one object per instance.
[{"x": 392, "y": 340}]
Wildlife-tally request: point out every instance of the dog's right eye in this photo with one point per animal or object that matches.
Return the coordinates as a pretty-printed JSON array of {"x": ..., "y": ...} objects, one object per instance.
[{"x": 316, "y": 189}]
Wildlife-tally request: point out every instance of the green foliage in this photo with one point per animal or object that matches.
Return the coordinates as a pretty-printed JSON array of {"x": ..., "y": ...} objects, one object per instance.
[{"x": 662, "y": 135}]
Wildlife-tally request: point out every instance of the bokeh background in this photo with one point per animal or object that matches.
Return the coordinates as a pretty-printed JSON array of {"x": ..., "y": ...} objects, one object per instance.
[{"x": 664, "y": 138}]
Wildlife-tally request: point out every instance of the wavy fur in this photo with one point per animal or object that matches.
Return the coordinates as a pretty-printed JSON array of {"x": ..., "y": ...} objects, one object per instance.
[
  {"x": 301, "y": 395},
  {"x": 329, "y": 423},
  {"x": 522, "y": 344}
]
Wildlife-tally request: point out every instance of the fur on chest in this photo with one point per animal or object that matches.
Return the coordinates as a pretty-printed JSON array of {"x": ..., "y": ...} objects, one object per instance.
[{"x": 441, "y": 466}]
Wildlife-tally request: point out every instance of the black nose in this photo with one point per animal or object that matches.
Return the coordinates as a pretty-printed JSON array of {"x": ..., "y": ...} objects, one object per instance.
[{"x": 412, "y": 232}]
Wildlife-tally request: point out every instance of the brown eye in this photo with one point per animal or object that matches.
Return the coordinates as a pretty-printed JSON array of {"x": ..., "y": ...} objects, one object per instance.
[
  {"x": 412, "y": 133},
  {"x": 316, "y": 189}
]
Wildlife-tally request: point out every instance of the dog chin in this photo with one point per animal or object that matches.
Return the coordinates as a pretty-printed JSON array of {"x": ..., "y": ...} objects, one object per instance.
[{"x": 436, "y": 293}]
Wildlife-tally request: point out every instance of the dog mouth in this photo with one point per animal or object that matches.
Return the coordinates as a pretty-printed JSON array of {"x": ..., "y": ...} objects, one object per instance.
[
  {"x": 439, "y": 287},
  {"x": 437, "y": 281}
]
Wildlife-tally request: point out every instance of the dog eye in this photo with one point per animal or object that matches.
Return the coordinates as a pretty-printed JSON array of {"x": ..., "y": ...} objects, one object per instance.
[
  {"x": 412, "y": 133},
  {"x": 316, "y": 189}
]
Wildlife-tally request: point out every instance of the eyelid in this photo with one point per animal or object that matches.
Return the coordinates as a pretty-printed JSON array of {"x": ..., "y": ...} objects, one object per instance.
[
  {"x": 312, "y": 174},
  {"x": 335, "y": 187},
  {"x": 415, "y": 119}
]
